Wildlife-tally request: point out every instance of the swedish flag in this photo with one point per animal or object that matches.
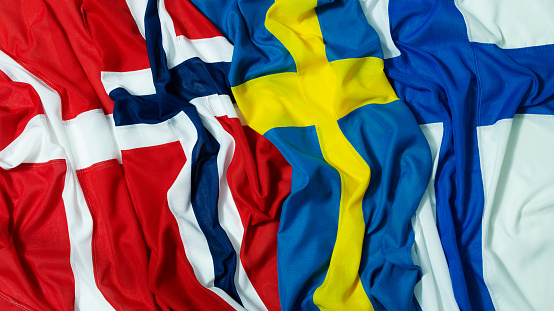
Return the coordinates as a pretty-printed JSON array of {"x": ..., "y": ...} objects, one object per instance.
[{"x": 308, "y": 75}]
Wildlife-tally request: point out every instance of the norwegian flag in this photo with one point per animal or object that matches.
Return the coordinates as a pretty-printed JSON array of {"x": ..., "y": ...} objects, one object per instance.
[{"x": 127, "y": 180}]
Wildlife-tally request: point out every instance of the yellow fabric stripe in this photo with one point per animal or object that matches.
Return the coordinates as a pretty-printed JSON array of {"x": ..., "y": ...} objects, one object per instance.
[
  {"x": 361, "y": 81},
  {"x": 273, "y": 101},
  {"x": 295, "y": 24}
]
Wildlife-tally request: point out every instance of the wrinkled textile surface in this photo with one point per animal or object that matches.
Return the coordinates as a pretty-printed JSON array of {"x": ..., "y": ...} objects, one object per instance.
[{"x": 276, "y": 154}]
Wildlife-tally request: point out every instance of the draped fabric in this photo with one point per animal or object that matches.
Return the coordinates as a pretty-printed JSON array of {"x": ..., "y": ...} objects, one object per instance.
[{"x": 276, "y": 154}]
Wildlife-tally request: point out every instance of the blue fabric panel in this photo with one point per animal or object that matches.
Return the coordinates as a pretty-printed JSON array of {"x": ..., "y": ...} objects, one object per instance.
[
  {"x": 150, "y": 109},
  {"x": 194, "y": 78},
  {"x": 309, "y": 217},
  {"x": 424, "y": 97},
  {"x": 388, "y": 138},
  {"x": 256, "y": 53},
  {"x": 355, "y": 39},
  {"x": 517, "y": 81}
]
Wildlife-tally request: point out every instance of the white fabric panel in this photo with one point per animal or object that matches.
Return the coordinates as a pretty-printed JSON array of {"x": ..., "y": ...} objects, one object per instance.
[
  {"x": 179, "y": 49},
  {"x": 179, "y": 201},
  {"x": 377, "y": 14},
  {"x": 144, "y": 135},
  {"x": 111, "y": 125},
  {"x": 218, "y": 106},
  {"x": 509, "y": 23},
  {"x": 210, "y": 50},
  {"x": 90, "y": 139},
  {"x": 229, "y": 217},
  {"x": 434, "y": 290},
  {"x": 33, "y": 145},
  {"x": 518, "y": 182},
  {"x": 79, "y": 221},
  {"x": 138, "y": 82},
  {"x": 169, "y": 37}
]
